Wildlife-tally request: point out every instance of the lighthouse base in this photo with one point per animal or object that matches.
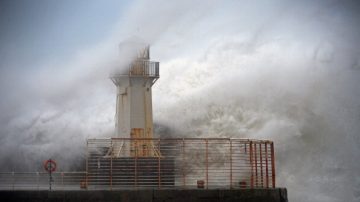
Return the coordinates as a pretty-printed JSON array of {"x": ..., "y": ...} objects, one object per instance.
[{"x": 132, "y": 171}]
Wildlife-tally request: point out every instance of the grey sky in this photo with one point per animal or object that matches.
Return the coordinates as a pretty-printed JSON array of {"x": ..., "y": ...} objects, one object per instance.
[{"x": 45, "y": 30}]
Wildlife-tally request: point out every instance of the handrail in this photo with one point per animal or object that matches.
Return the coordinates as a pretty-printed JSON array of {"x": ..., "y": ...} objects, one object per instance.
[{"x": 184, "y": 163}]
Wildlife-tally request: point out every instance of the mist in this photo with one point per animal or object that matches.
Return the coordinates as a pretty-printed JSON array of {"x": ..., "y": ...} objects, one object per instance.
[{"x": 280, "y": 70}]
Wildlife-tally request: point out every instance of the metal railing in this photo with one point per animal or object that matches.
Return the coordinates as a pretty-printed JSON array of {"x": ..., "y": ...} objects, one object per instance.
[
  {"x": 41, "y": 180},
  {"x": 140, "y": 68},
  {"x": 182, "y": 163},
  {"x": 144, "y": 68}
]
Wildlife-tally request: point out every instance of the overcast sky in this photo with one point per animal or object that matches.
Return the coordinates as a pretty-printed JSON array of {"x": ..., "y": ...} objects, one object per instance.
[{"x": 287, "y": 71}]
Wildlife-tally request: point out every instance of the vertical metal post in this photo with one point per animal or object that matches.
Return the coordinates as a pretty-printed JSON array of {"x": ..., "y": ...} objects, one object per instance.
[
  {"x": 135, "y": 167},
  {"x": 261, "y": 167},
  {"x": 251, "y": 165},
  {"x": 50, "y": 177},
  {"x": 62, "y": 180},
  {"x": 87, "y": 164},
  {"x": 231, "y": 184},
  {"x": 13, "y": 180},
  {"x": 159, "y": 164},
  {"x": 111, "y": 169},
  {"x": 272, "y": 164},
  {"x": 256, "y": 166},
  {"x": 183, "y": 162},
  {"x": 207, "y": 163},
  {"x": 98, "y": 176},
  {"x": 37, "y": 180},
  {"x": 266, "y": 164}
]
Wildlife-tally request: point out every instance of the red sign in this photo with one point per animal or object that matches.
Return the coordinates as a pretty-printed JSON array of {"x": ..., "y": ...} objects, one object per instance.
[{"x": 50, "y": 165}]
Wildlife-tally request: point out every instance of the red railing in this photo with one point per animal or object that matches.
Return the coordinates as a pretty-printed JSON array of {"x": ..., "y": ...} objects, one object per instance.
[
  {"x": 181, "y": 163},
  {"x": 185, "y": 162}
]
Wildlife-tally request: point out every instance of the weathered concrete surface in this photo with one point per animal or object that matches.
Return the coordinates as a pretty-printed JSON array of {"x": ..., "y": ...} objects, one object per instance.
[{"x": 166, "y": 195}]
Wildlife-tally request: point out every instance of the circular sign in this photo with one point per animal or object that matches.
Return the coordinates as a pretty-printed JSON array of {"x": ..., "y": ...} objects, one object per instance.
[{"x": 50, "y": 165}]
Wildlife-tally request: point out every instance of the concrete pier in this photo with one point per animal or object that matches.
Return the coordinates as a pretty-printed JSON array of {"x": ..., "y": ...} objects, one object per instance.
[{"x": 166, "y": 195}]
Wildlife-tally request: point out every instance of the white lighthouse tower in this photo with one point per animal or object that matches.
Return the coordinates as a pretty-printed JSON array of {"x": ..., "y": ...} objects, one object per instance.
[{"x": 134, "y": 101}]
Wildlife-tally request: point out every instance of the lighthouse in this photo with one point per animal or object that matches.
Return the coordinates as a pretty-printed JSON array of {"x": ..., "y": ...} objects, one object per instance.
[
  {"x": 133, "y": 118},
  {"x": 132, "y": 157}
]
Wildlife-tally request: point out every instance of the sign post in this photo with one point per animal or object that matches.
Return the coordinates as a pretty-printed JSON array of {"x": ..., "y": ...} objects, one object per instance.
[{"x": 50, "y": 166}]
